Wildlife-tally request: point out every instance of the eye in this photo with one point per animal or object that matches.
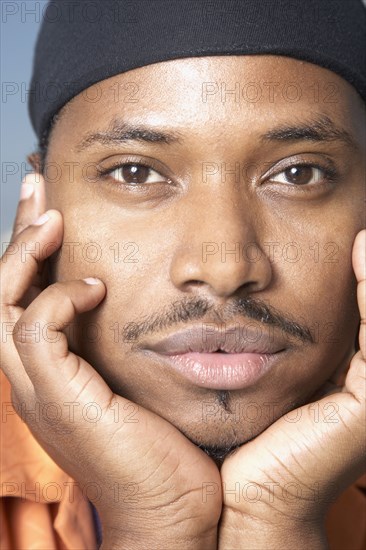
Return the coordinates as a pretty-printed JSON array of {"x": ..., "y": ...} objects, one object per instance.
[
  {"x": 301, "y": 174},
  {"x": 134, "y": 173}
]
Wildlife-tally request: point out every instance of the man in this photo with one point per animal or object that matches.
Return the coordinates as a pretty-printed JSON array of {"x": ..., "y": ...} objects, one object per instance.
[{"x": 185, "y": 307}]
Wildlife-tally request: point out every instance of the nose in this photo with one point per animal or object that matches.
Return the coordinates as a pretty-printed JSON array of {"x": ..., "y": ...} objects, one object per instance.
[{"x": 219, "y": 247}]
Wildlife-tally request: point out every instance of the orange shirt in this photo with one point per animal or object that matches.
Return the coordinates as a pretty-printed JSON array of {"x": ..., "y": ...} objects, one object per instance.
[{"x": 42, "y": 508}]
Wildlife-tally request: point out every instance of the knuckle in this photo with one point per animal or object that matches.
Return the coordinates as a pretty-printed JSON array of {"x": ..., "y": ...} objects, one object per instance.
[
  {"x": 9, "y": 314},
  {"x": 26, "y": 332},
  {"x": 21, "y": 248},
  {"x": 56, "y": 291},
  {"x": 59, "y": 294},
  {"x": 19, "y": 227},
  {"x": 10, "y": 250}
]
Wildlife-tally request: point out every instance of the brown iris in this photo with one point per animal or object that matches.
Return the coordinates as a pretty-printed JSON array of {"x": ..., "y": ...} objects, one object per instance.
[
  {"x": 135, "y": 173},
  {"x": 299, "y": 175}
]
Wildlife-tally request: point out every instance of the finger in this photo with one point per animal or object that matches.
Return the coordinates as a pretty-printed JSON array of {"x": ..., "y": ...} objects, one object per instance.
[
  {"x": 19, "y": 267},
  {"x": 359, "y": 266},
  {"x": 53, "y": 369},
  {"x": 355, "y": 383},
  {"x": 31, "y": 205},
  {"x": 21, "y": 261},
  {"x": 31, "y": 202}
]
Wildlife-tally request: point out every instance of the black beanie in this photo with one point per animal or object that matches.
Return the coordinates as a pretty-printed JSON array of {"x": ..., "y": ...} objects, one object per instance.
[{"x": 82, "y": 42}]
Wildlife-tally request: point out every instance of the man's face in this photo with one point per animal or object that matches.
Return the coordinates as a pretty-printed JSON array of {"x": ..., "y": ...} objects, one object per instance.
[{"x": 224, "y": 232}]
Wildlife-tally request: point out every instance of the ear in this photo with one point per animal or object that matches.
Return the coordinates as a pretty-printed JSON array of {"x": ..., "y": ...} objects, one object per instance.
[{"x": 34, "y": 160}]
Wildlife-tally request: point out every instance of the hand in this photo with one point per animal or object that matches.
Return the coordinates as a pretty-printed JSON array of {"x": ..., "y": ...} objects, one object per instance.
[
  {"x": 287, "y": 477},
  {"x": 156, "y": 472}
]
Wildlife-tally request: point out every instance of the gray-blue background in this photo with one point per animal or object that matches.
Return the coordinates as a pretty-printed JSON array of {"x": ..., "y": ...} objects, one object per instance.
[{"x": 20, "y": 22}]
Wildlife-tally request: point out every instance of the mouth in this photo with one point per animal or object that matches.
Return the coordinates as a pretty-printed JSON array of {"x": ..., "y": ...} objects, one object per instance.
[
  {"x": 217, "y": 359},
  {"x": 220, "y": 370}
]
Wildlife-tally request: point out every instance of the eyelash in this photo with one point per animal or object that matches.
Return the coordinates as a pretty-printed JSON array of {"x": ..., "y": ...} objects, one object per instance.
[{"x": 330, "y": 174}]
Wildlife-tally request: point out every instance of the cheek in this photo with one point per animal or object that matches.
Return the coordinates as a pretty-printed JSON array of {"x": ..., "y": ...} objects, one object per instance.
[
  {"x": 317, "y": 280},
  {"x": 317, "y": 287},
  {"x": 313, "y": 267},
  {"x": 130, "y": 260}
]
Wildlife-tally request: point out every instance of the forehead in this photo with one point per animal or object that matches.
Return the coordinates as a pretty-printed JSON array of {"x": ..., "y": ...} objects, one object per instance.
[{"x": 216, "y": 93}]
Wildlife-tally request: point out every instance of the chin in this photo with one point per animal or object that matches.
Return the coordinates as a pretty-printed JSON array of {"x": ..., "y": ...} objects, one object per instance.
[
  {"x": 219, "y": 437},
  {"x": 231, "y": 427},
  {"x": 218, "y": 444}
]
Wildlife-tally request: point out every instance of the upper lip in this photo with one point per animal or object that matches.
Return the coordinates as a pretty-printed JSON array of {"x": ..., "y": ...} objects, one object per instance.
[{"x": 206, "y": 339}]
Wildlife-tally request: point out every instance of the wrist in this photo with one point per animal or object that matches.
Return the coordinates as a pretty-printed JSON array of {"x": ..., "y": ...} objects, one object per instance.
[
  {"x": 154, "y": 532},
  {"x": 174, "y": 525},
  {"x": 116, "y": 540},
  {"x": 248, "y": 532}
]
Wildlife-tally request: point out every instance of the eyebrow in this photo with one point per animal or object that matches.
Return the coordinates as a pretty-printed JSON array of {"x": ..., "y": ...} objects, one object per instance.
[
  {"x": 121, "y": 132},
  {"x": 321, "y": 129}
]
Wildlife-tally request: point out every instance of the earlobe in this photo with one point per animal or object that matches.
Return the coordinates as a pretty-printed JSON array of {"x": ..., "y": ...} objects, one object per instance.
[{"x": 34, "y": 160}]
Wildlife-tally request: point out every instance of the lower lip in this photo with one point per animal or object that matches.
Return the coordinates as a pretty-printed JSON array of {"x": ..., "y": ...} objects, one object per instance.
[{"x": 222, "y": 371}]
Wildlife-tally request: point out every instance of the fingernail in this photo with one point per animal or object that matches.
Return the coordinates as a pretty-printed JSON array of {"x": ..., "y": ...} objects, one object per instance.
[
  {"x": 26, "y": 190},
  {"x": 91, "y": 281},
  {"x": 42, "y": 219}
]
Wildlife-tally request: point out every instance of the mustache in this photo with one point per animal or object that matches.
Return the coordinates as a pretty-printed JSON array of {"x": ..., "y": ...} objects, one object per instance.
[{"x": 193, "y": 309}]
